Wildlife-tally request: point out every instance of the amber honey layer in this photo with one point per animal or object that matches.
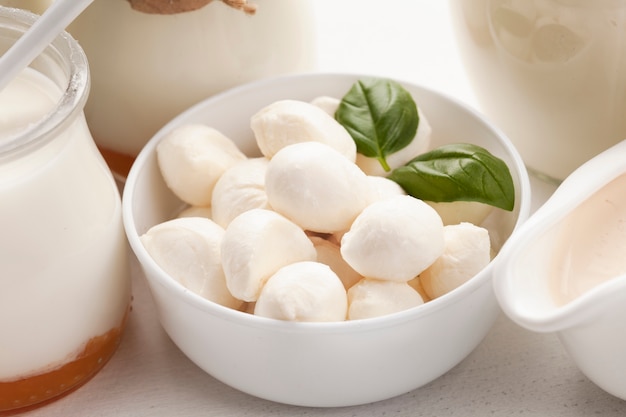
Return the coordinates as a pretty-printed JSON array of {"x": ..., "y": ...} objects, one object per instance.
[
  {"x": 35, "y": 391},
  {"x": 118, "y": 163}
]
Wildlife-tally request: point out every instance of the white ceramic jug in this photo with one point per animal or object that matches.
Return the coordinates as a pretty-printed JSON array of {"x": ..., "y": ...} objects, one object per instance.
[
  {"x": 146, "y": 67},
  {"x": 550, "y": 73}
]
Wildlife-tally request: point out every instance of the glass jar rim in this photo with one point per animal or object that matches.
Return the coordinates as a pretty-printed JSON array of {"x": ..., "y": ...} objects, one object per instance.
[{"x": 73, "y": 94}]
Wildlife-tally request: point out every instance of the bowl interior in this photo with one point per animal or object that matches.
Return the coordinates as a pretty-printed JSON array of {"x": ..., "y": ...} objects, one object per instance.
[{"x": 147, "y": 200}]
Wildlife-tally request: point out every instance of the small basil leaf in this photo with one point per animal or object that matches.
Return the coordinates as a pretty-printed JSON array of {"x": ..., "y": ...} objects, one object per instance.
[
  {"x": 458, "y": 172},
  {"x": 380, "y": 115}
]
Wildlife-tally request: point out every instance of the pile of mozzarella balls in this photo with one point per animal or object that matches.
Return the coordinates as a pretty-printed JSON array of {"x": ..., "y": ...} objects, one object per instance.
[{"x": 311, "y": 231}]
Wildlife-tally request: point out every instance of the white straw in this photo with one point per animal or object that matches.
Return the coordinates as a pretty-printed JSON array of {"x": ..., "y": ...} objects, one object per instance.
[{"x": 53, "y": 21}]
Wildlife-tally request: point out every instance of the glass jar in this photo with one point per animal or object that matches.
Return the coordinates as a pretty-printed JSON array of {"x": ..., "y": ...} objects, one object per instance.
[
  {"x": 550, "y": 73},
  {"x": 147, "y": 68},
  {"x": 64, "y": 265}
]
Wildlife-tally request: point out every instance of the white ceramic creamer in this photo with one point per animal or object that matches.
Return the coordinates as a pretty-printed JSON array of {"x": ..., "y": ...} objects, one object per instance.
[
  {"x": 564, "y": 271},
  {"x": 64, "y": 273}
]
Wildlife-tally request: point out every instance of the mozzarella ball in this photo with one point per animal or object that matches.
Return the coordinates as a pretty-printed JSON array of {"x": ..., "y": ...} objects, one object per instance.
[
  {"x": 316, "y": 187},
  {"x": 394, "y": 239},
  {"x": 382, "y": 188},
  {"x": 328, "y": 104},
  {"x": 192, "y": 158},
  {"x": 416, "y": 284},
  {"x": 467, "y": 251},
  {"x": 255, "y": 245},
  {"x": 303, "y": 291},
  {"x": 287, "y": 122},
  {"x": 240, "y": 188},
  {"x": 373, "y": 298},
  {"x": 419, "y": 145},
  {"x": 188, "y": 250},
  {"x": 328, "y": 253}
]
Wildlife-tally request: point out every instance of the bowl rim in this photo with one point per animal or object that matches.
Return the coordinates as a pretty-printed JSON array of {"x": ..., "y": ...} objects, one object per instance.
[{"x": 246, "y": 319}]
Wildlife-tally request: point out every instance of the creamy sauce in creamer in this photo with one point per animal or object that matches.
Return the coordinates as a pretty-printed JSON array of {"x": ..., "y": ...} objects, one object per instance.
[
  {"x": 64, "y": 276},
  {"x": 592, "y": 243}
]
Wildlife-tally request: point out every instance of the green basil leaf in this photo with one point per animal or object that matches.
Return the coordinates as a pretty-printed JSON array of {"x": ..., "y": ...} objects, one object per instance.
[
  {"x": 380, "y": 115},
  {"x": 458, "y": 172}
]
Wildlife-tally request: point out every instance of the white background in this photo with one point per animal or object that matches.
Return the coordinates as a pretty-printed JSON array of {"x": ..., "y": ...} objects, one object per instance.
[{"x": 513, "y": 372}]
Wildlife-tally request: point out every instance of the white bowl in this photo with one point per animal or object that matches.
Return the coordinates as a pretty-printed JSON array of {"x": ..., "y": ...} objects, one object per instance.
[{"x": 320, "y": 364}]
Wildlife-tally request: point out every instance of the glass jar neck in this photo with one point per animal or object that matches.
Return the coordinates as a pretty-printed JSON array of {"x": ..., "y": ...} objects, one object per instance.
[{"x": 65, "y": 65}]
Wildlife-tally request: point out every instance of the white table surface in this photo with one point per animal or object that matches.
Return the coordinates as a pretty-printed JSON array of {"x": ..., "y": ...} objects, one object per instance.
[{"x": 512, "y": 372}]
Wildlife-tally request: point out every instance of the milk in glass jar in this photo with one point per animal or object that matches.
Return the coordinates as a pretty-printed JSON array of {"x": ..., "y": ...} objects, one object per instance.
[
  {"x": 64, "y": 272},
  {"x": 152, "y": 59}
]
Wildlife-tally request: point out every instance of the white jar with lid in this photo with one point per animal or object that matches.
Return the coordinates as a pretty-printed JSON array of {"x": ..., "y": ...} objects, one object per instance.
[
  {"x": 64, "y": 271},
  {"x": 148, "y": 67}
]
